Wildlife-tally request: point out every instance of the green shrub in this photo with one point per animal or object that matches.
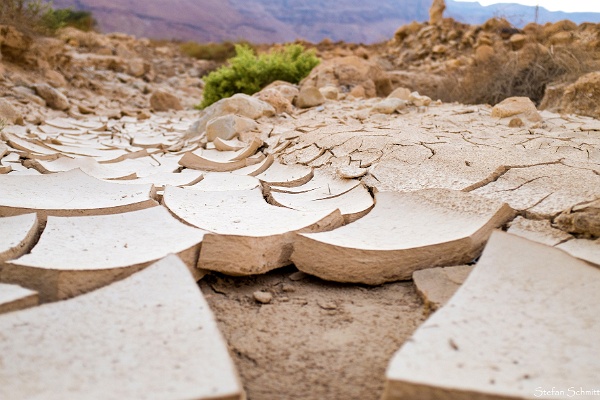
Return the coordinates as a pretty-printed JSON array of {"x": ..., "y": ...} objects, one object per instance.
[
  {"x": 63, "y": 17},
  {"x": 248, "y": 73}
]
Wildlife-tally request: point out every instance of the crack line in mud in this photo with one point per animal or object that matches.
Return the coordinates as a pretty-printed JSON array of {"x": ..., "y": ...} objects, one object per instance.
[{"x": 501, "y": 171}]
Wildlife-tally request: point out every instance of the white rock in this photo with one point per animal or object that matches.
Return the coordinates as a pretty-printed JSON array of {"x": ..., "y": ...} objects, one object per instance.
[
  {"x": 149, "y": 336},
  {"x": 400, "y": 93},
  {"x": 419, "y": 100},
  {"x": 248, "y": 235},
  {"x": 388, "y": 106},
  {"x": 77, "y": 254},
  {"x": 403, "y": 233},
  {"x": 228, "y": 127},
  {"x": 521, "y": 323},
  {"x": 70, "y": 193}
]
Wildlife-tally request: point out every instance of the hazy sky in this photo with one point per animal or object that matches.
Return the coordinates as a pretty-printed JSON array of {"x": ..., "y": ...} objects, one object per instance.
[{"x": 552, "y": 5}]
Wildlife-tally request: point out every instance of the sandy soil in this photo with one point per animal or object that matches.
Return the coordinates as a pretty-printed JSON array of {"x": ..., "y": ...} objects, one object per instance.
[{"x": 315, "y": 339}]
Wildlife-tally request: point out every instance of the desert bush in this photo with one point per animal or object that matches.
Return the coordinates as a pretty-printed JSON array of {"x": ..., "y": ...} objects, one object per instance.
[
  {"x": 248, "y": 73},
  {"x": 506, "y": 74},
  {"x": 37, "y": 16},
  {"x": 209, "y": 51}
]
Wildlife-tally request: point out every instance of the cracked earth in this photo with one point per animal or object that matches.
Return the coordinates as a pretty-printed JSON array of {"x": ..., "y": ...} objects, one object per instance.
[{"x": 314, "y": 172}]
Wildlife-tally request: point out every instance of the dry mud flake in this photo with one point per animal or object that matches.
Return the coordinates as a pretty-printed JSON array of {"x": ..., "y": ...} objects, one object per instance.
[
  {"x": 17, "y": 236},
  {"x": 246, "y": 234},
  {"x": 77, "y": 254},
  {"x": 14, "y": 298},
  {"x": 519, "y": 323},
  {"x": 70, "y": 193},
  {"x": 403, "y": 233},
  {"x": 149, "y": 336}
]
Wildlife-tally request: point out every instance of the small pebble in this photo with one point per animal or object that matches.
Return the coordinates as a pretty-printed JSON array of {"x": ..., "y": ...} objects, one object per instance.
[{"x": 262, "y": 297}]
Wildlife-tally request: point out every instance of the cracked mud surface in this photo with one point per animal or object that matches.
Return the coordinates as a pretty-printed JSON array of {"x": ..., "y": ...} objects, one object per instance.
[{"x": 315, "y": 339}]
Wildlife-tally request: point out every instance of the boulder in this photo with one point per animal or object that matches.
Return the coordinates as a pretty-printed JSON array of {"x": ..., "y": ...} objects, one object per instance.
[
  {"x": 400, "y": 93},
  {"x": 288, "y": 90},
  {"x": 330, "y": 92},
  {"x": 163, "y": 101},
  {"x": 580, "y": 97},
  {"x": 309, "y": 97},
  {"x": 8, "y": 113},
  {"x": 228, "y": 127},
  {"x": 240, "y": 104},
  {"x": 54, "y": 99},
  {"x": 277, "y": 99},
  {"x": 347, "y": 73},
  {"x": 13, "y": 43},
  {"x": 516, "y": 106}
]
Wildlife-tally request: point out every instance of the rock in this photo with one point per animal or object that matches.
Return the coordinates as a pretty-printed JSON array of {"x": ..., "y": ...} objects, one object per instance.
[
  {"x": 137, "y": 67},
  {"x": 309, "y": 97},
  {"x": 17, "y": 236},
  {"x": 358, "y": 92},
  {"x": 330, "y": 92},
  {"x": 582, "y": 219},
  {"x": 516, "y": 123},
  {"x": 286, "y": 89},
  {"x": 163, "y": 101},
  {"x": 155, "y": 323},
  {"x": 13, "y": 44},
  {"x": 54, "y": 99},
  {"x": 248, "y": 235},
  {"x": 101, "y": 249},
  {"x": 436, "y": 12},
  {"x": 228, "y": 127},
  {"x": 71, "y": 193},
  {"x": 517, "y": 41},
  {"x": 346, "y": 73},
  {"x": 14, "y": 298},
  {"x": 439, "y": 49},
  {"x": 8, "y": 114},
  {"x": 277, "y": 99},
  {"x": 262, "y": 297},
  {"x": 419, "y": 100},
  {"x": 516, "y": 106},
  {"x": 484, "y": 53},
  {"x": 580, "y": 97},
  {"x": 240, "y": 104},
  {"x": 489, "y": 322},
  {"x": 388, "y": 105},
  {"x": 400, "y": 93},
  {"x": 55, "y": 78},
  {"x": 403, "y": 233},
  {"x": 437, "y": 285}
]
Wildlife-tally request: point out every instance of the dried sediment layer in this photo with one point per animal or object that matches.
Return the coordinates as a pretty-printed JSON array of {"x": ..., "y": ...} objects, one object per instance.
[
  {"x": 247, "y": 235},
  {"x": 149, "y": 336},
  {"x": 403, "y": 233},
  {"x": 77, "y": 254},
  {"x": 492, "y": 340},
  {"x": 68, "y": 194},
  {"x": 17, "y": 235}
]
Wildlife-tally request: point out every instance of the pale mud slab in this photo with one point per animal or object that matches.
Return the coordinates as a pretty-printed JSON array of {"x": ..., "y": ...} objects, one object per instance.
[
  {"x": 17, "y": 235},
  {"x": 77, "y": 254},
  {"x": 246, "y": 234},
  {"x": 149, "y": 336},
  {"x": 315, "y": 339},
  {"x": 68, "y": 194},
  {"x": 437, "y": 285},
  {"x": 516, "y": 325},
  {"x": 403, "y": 233},
  {"x": 14, "y": 298}
]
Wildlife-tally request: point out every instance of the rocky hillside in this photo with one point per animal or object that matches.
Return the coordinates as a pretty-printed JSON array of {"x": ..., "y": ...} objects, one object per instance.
[{"x": 268, "y": 21}]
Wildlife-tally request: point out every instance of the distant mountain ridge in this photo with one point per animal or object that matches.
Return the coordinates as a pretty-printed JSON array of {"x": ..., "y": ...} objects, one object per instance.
[{"x": 270, "y": 21}]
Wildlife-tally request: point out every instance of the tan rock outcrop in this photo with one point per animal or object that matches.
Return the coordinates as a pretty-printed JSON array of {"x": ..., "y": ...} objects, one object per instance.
[{"x": 436, "y": 12}]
